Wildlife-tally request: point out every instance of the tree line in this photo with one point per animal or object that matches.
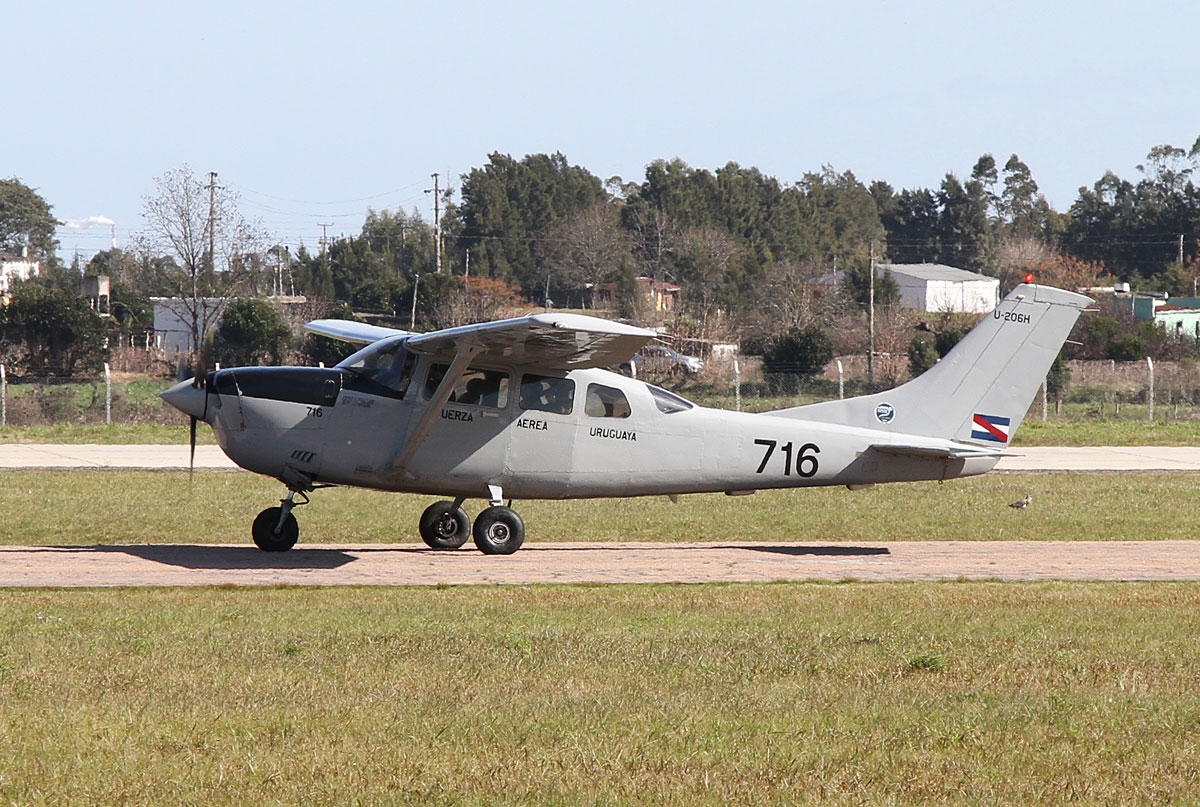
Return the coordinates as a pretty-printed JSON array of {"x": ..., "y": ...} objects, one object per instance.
[{"x": 743, "y": 247}]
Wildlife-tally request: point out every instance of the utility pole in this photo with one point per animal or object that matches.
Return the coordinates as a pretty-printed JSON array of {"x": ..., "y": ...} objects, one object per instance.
[
  {"x": 871, "y": 321},
  {"x": 212, "y": 221},
  {"x": 437, "y": 225}
]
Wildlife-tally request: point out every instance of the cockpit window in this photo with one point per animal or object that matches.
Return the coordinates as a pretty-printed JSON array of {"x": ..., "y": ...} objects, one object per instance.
[
  {"x": 475, "y": 387},
  {"x": 605, "y": 402},
  {"x": 668, "y": 402},
  {"x": 383, "y": 368},
  {"x": 546, "y": 393}
]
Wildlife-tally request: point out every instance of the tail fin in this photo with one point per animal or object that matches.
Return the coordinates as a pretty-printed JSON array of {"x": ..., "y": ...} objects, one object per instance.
[{"x": 979, "y": 392}]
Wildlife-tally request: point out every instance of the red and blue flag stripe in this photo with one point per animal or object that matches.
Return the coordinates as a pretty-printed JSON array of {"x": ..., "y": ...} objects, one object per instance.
[{"x": 990, "y": 427}]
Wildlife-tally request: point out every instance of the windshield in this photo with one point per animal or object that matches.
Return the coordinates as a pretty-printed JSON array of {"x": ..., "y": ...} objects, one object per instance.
[{"x": 384, "y": 364}]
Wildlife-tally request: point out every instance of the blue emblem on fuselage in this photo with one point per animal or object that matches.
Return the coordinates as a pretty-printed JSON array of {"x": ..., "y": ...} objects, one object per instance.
[{"x": 884, "y": 412}]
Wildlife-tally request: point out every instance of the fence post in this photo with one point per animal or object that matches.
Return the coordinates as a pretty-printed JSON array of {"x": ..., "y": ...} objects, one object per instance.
[
  {"x": 107, "y": 396},
  {"x": 1150, "y": 366},
  {"x": 1045, "y": 412},
  {"x": 841, "y": 381},
  {"x": 3, "y": 397},
  {"x": 737, "y": 385}
]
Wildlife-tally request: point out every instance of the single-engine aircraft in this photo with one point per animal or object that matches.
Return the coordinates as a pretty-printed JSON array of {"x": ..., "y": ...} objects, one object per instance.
[{"x": 524, "y": 409}]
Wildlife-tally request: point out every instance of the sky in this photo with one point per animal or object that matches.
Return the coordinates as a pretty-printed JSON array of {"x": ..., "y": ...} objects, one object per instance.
[{"x": 314, "y": 113}]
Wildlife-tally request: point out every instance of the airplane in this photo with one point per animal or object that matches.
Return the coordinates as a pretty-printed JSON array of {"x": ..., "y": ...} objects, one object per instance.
[{"x": 524, "y": 408}]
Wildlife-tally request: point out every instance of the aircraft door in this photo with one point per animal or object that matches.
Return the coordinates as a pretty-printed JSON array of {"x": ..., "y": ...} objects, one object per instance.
[
  {"x": 542, "y": 438},
  {"x": 468, "y": 438}
]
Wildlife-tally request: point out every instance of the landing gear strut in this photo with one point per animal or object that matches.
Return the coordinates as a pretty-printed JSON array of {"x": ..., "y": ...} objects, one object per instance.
[{"x": 276, "y": 529}]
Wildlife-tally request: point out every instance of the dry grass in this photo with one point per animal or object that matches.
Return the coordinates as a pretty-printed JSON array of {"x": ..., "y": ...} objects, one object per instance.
[
  {"x": 750, "y": 694},
  {"x": 112, "y": 507}
]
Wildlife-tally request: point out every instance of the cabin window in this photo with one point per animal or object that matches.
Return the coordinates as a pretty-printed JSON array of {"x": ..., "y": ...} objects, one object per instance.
[
  {"x": 605, "y": 402},
  {"x": 475, "y": 387},
  {"x": 668, "y": 402},
  {"x": 542, "y": 393}
]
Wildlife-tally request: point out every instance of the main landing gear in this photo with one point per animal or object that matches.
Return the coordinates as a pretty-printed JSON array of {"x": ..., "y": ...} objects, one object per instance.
[{"x": 498, "y": 530}]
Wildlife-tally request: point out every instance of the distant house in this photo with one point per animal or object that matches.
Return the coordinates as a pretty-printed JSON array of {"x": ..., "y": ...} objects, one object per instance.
[
  {"x": 1179, "y": 317},
  {"x": 13, "y": 268},
  {"x": 939, "y": 288},
  {"x": 660, "y": 296}
]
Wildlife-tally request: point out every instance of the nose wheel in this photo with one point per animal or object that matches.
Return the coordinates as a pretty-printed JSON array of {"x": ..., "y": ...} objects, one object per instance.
[{"x": 276, "y": 529}]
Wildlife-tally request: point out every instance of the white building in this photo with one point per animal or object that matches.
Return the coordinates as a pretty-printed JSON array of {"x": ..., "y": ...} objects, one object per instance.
[
  {"x": 14, "y": 268},
  {"x": 173, "y": 320},
  {"x": 938, "y": 288}
]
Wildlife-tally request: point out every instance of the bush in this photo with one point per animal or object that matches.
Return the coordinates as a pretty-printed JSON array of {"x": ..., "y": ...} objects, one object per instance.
[
  {"x": 801, "y": 351},
  {"x": 921, "y": 356},
  {"x": 251, "y": 332}
]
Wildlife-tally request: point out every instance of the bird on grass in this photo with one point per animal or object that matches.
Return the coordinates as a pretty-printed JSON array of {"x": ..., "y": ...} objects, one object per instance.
[{"x": 1021, "y": 504}]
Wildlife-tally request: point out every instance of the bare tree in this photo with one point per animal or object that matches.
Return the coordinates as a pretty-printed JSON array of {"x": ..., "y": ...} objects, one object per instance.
[
  {"x": 704, "y": 254},
  {"x": 587, "y": 250},
  {"x": 197, "y": 225}
]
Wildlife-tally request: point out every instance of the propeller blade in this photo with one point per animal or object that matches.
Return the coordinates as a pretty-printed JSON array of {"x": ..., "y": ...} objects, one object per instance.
[{"x": 192, "y": 454}]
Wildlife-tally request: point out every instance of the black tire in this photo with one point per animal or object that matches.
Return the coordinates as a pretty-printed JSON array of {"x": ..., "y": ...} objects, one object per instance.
[
  {"x": 499, "y": 531},
  {"x": 264, "y": 533},
  {"x": 444, "y": 526}
]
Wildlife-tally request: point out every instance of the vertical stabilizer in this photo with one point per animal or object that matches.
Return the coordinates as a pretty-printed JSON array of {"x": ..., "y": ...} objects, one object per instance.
[{"x": 979, "y": 392}]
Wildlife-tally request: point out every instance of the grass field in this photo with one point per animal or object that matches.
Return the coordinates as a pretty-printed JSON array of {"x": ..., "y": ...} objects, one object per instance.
[
  {"x": 742, "y": 694},
  {"x": 111, "y": 507},
  {"x": 706, "y": 694}
]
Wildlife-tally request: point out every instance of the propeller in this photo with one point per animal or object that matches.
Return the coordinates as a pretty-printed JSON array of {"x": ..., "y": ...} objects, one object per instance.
[{"x": 199, "y": 379}]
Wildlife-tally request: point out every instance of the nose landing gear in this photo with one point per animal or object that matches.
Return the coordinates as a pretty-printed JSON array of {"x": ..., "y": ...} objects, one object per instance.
[{"x": 276, "y": 529}]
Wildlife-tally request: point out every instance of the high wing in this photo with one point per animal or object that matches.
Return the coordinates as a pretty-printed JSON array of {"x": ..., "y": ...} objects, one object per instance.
[
  {"x": 344, "y": 330},
  {"x": 548, "y": 341}
]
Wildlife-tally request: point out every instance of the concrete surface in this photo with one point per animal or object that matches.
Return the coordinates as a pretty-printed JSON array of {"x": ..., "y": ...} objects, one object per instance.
[{"x": 410, "y": 565}]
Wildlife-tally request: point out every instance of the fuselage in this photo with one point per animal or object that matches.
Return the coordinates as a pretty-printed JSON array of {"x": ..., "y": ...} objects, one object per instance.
[{"x": 546, "y": 435}]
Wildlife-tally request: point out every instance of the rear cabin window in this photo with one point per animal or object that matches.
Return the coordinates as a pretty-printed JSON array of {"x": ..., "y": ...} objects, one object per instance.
[
  {"x": 543, "y": 393},
  {"x": 475, "y": 387},
  {"x": 605, "y": 402},
  {"x": 668, "y": 402}
]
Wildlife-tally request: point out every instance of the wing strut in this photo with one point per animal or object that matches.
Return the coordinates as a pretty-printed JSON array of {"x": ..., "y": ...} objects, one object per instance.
[{"x": 434, "y": 410}]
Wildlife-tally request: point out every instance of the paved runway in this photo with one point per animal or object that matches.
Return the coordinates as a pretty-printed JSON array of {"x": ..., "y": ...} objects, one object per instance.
[
  {"x": 411, "y": 565},
  {"x": 395, "y": 565}
]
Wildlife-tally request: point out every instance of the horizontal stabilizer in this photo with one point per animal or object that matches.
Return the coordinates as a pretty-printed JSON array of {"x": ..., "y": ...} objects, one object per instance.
[{"x": 951, "y": 452}]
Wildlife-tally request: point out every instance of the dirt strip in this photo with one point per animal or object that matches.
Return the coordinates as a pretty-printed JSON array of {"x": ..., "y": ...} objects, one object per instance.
[{"x": 413, "y": 565}]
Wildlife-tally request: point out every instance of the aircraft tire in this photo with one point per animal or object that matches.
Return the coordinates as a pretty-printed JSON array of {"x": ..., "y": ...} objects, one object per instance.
[
  {"x": 499, "y": 531},
  {"x": 444, "y": 526},
  {"x": 264, "y": 535}
]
